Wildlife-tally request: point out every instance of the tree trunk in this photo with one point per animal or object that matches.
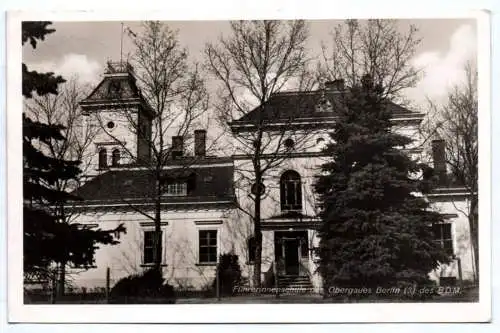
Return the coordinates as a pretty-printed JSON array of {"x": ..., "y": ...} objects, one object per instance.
[
  {"x": 258, "y": 243},
  {"x": 157, "y": 246},
  {"x": 256, "y": 216}
]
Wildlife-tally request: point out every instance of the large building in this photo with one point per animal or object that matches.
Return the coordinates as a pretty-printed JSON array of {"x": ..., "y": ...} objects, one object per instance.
[{"x": 206, "y": 198}]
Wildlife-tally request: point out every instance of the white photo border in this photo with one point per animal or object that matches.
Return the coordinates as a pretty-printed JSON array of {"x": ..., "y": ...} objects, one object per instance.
[{"x": 239, "y": 313}]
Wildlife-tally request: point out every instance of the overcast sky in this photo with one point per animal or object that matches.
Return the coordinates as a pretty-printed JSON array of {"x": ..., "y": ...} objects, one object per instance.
[{"x": 83, "y": 48}]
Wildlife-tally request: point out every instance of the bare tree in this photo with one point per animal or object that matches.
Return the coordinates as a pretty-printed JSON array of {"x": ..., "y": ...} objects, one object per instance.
[
  {"x": 456, "y": 122},
  {"x": 376, "y": 48},
  {"x": 176, "y": 93},
  {"x": 259, "y": 59},
  {"x": 63, "y": 109}
]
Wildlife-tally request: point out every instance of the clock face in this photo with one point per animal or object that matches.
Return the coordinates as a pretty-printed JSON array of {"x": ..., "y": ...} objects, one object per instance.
[
  {"x": 114, "y": 89},
  {"x": 256, "y": 189}
]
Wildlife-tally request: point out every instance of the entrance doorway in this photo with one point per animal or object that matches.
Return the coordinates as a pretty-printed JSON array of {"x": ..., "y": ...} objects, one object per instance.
[
  {"x": 291, "y": 252},
  {"x": 291, "y": 256}
]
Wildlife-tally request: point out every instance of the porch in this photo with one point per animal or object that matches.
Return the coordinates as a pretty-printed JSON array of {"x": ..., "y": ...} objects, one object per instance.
[
  {"x": 291, "y": 253},
  {"x": 288, "y": 253}
]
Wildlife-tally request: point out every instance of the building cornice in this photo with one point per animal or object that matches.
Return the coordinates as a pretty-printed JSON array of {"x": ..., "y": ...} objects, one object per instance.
[
  {"x": 307, "y": 154},
  {"x": 449, "y": 193},
  {"x": 133, "y": 205},
  {"x": 189, "y": 164}
]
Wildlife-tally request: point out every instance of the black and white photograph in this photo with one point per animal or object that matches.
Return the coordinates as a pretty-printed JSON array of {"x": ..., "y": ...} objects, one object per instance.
[{"x": 297, "y": 161}]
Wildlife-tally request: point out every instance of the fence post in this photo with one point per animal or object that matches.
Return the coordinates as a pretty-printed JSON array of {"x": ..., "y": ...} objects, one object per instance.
[
  {"x": 107, "y": 283},
  {"x": 459, "y": 264}
]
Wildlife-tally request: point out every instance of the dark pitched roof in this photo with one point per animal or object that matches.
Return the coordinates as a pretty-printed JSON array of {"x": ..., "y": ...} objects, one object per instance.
[
  {"x": 113, "y": 87},
  {"x": 303, "y": 106},
  {"x": 116, "y": 88},
  {"x": 205, "y": 184}
]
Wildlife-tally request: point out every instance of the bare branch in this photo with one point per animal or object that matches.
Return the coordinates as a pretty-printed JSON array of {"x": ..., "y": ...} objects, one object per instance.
[
  {"x": 375, "y": 47},
  {"x": 259, "y": 59}
]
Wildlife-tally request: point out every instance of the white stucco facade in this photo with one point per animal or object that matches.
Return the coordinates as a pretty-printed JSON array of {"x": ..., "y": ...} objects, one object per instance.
[
  {"x": 180, "y": 250},
  {"x": 454, "y": 205}
]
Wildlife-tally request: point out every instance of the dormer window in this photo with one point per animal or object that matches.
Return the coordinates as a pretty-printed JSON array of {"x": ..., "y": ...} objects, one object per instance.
[
  {"x": 176, "y": 189},
  {"x": 114, "y": 89},
  {"x": 179, "y": 184},
  {"x": 324, "y": 105}
]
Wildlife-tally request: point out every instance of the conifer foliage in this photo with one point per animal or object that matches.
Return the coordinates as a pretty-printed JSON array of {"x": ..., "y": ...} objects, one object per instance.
[
  {"x": 49, "y": 238},
  {"x": 375, "y": 230}
]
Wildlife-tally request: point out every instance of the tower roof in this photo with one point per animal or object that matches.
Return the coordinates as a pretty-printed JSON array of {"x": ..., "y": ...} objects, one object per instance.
[{"x": 117, "y": 89}]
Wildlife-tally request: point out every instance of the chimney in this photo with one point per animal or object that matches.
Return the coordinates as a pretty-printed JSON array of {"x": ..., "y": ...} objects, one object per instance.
[
  {"x": 177, "y": 146},
  {"x": 439, "y": 159},
  {"x": 200, "y": 139},
  {"x": 335, "y": 85}
]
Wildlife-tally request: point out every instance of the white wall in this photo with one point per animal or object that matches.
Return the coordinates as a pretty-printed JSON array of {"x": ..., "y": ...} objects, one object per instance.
[
  {"x": 460, "y": 232},
  {"x": 180, "y": 247},
  {"x": 124, "y": 131}
]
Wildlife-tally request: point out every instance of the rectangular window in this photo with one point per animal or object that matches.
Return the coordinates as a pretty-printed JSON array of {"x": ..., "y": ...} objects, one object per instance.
[
  {"x": 208, "y": 246},
  {"x": 176, "y": 189},
  {"x": 442, "y": 235},
  {"x": 149, "y": 246},
  {"x": 252, "y": 244}
]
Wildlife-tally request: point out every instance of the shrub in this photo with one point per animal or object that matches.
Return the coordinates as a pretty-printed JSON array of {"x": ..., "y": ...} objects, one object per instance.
[
  {"x": 148, "y": 285},
  {"x": 269, "y": 279},
  {"x": 229, "y": 271}
]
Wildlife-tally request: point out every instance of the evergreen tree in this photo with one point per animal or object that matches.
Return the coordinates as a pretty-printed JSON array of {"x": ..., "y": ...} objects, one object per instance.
[
  {"x": 375, "y": 229},
  {"x": 49, "y": 238}
]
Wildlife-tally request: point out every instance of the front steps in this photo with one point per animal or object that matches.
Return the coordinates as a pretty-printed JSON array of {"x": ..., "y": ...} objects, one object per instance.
[{"x": 295, "y": 284}]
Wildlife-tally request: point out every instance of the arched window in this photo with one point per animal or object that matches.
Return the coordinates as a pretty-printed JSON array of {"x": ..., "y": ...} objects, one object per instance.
[
  {"x": 115, "y": 157},
  {"x": 290, "y": 191},
  {"x": 103, "y": 156}
]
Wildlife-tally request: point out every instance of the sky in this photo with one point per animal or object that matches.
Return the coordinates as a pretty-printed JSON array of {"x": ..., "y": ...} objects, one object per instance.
[{"x": 83, "y": 48}]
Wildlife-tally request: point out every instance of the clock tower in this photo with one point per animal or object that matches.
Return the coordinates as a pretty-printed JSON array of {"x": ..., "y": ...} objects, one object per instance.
[{"x": 121, "y": 119}]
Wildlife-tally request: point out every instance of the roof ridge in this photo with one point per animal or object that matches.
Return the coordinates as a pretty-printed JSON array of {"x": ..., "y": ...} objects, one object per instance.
[{"x": 308, "y": 92}]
